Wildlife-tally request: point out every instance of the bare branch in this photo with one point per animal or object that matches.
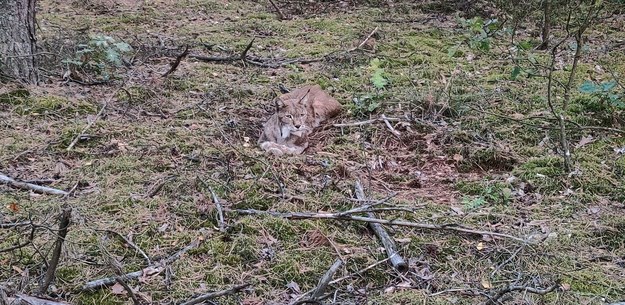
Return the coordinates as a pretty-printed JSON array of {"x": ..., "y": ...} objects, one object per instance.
[
  {"x": 29, "y": 186},
  {"x": 64, "y": 221},
  {"x": 211, "y": 295}
]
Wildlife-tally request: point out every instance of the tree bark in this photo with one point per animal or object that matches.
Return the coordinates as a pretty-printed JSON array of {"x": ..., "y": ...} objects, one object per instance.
[{"x": 18, "y": 41}]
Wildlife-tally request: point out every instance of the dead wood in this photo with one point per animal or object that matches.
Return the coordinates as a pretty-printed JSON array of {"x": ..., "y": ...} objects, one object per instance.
[
  {"x": 211, "y": 295},
  {"x": 64, "y": 221},
  {"x": 131, "y": 244},
  {"x": 220, "y": 213},
  {"x": 9, "y": 225},
  {"x": 325, "y": 280},
  {"x": 499, "y": 294},
  {"x": 281, "y": 16},
  {"x": 397, "y": 260},
  {"x": 29, "y": 186},
  {"x": 150, "y": 270},
  {"x": 129, "y": 290},
  {"x": 367, "y": 122},
  {"x": 175, "y": 64},
  {"x": 71, "y": 145},
  {"x": 395, "y": 222},
  {"x": 26, "y": 299},
  {"x": 390, "y": 127},
  {"x": 276, "y": 63}
]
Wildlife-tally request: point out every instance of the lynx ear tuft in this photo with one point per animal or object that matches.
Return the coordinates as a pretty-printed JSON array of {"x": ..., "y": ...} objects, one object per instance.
[
  {"x": 305, "y": 100},
  {"x": 279, "y": 103}
]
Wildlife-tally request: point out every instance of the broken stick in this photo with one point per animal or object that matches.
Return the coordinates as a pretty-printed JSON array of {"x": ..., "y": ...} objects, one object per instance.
[
  {"x": 211, "y": 295},
  {"x": 325, "y": 280},
  {"x": 397, "y": 261},
  {"x": 394, "y": 222},
  {"x": 58, "y": 246},
  {"x": 220, "y": 212},
  {"x": 29, "y": 186}
]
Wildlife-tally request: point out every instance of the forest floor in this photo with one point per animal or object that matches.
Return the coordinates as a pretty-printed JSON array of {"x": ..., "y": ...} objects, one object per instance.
[{"x": 474, "y": 144}]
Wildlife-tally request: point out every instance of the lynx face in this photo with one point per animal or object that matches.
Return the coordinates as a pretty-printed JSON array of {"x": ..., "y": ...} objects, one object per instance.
[{"x": 293, "y": 114}]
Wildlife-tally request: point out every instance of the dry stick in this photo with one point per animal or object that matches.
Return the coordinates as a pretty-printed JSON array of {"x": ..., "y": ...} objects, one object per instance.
[
  {"x": 397, "y": 261},
  {"x": 264, "y": 62},
  {"x": 343, "y": 278},
  {"x": 150, "y": 270},
  {"x": 179, "y": 58},
  {"x": 131, "y": 244},
  {"x": 366, "y": 122},
  {"x": 325, "y": 280},
  {"x": 495, "y": 299},
  {"x": 242, "y": 56},
  {"x": 220, "y": 211},
  {"x": 394, "y": 222},
  {"x": 390, "y": 127},
  {"x": 215, "y": 294},
  {"x": 71, "y": 145},
  {"x": 58, "y": 246},
  {"x": 26, "y": 299},
  {"x": 29, "y": 186},
  {"x": 8, "y": 225},
  {"x": 280, "y": 14},
  {"x": 134, "y": 298}
]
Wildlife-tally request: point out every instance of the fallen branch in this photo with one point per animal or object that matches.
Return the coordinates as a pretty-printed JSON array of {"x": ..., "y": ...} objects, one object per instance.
[
  {"x": 26, "y": 299},
  {"x": 367, "y": 122},
  {"x": 394, "y": 222},
  {"x": 175, "y": 64},
  {"x": 211, "y": 295},
  {"x": 397, "y": 261},
  {"x": 276, "y": 63},
  {"x": 390, "y": 127},
  {"x": 8, "y": 225},
  {"x": 98, "y": 115},
  {"x": 220, "y": 213},
  {"x": 325, "y": 280},
  {"x": 29, "y": 186},
  {"x": 131, "y": 244},
  {"x": 280, "y": 14},
  {"x": 495, "y": 299},
  {"x": 150, "y": 270},
  {"x": 64, "y": 220}
]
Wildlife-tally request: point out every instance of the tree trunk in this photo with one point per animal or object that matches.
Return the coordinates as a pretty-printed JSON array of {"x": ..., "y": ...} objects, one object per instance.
[
  {"x": 546, "y": 25},
  {"x": 17, "y": 41}
]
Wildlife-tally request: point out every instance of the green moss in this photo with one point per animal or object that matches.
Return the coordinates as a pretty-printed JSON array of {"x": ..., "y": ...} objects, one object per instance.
[{"x": 100, "y": 297}]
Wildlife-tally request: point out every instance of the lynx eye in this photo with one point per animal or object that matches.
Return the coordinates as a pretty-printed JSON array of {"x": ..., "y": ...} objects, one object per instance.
[
  {"x": 289, "y": 116},
  {"x": 302, "y": 114}
]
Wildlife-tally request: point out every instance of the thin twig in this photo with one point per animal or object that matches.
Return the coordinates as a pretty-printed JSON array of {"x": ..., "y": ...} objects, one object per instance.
[
  {"x": 131, "y": 244},
  {"x": 325, "y": 279},
  {"x": 397, "y": 261},
  {"x": 71, "y": 145},
  {"x": 179, "y": 58},
  {"x": 150, "y": 270},
  {"x": 280, "y": 14},
  {"x": 131, "y": 293},
  {"x": 390, "y": 127},
  {"x": 220, "y": 212},
  {"x": 8, "y": 225},
  {"x": 338, "y": 216},
  {"x": 64, "y": 220},
  {"x": 211, "y": 295},
  {"x": 29, "y": 186},
  {"x": 366, "y": 122},
  {"x": 495, "y": 299}
]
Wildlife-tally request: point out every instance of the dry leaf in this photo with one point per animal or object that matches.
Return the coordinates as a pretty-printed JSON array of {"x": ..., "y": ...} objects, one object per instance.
[
  {"x": 293, "y": 286},
  {"x": 584, "y": 140},
  {"x": 118, "y": 289},
  {"x": 480, "y": 246},
  {"x": 13, "y": 207},
  {"x": 458, "y": 158},
  {"x": 486, "y": 283},
  {"x": 565, "y": 286},
  {"x": 314, "y": 238}
]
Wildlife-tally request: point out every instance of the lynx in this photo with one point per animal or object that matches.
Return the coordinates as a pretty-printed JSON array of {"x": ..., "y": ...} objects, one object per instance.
[{"x": 298, "y": 112}]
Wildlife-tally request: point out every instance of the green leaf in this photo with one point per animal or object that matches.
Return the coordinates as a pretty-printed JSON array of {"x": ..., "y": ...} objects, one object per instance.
[
  {"x": 515, "y": 73},
  {"x": 525, "y": 45},
  {"x": 451, "y": 52},
  {"x": 373, "y": 106},
  {"x": 113, "y": 57},
  {"x": 378, "y": 80},
  {"x": 588, "y": 87},
  {"x": 375, "y": 63}
]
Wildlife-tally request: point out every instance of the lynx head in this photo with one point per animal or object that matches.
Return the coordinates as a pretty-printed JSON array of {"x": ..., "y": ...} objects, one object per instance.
[{"x": 293, "y": 114}]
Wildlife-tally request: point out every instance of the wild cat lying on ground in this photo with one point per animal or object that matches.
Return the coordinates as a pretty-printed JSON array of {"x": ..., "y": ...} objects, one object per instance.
[{"x": 298, "y": 112}]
